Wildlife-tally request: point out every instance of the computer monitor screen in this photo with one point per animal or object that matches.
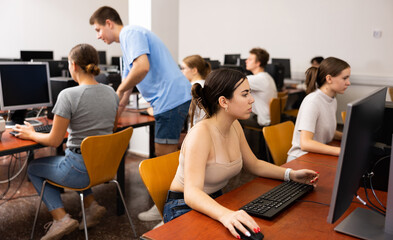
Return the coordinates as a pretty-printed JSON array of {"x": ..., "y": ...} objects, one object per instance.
[
  {"x": 232, "y": 59},
  {"x": 364, "y": 117},
  {"x": 57, "y": 68},
  {"x": 276, "y": 71},
  {"x": 286, "y": 63},
  {"x": 29, "y": 55},
  {"x": 102, "y": 57},
  {"x": 24, "y": 85}
]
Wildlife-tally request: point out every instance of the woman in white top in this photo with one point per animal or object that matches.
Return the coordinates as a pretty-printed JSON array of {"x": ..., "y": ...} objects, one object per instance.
[
  {"x": 316, "y": 121},
  {"x": 195, "y": 68},
  {"x": 215, "y": 150}
]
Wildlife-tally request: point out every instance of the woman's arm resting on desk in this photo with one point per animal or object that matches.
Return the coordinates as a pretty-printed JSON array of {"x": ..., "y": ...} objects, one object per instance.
[
  {"x": 264, "y": 169},
  {"x": 52, "y": 139},
  {"x": 309, "y": 145},
  {"x": 196, "y": 151},
  {"x": 338, "y": 135}
]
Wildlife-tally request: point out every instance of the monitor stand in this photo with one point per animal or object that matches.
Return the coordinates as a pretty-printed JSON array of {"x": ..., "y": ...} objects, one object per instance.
[
  {"x": 367, "y": 224},
  {"x": 18, "y": 117}
]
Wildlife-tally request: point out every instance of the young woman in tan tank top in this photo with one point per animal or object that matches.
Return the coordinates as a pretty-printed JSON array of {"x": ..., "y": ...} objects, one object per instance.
[{"x": 215, "y": 149}]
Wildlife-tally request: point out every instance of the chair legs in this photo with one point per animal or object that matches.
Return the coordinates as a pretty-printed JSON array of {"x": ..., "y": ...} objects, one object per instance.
[
  {"x": 38, "y": 210},
  {"x": 83, "y": 210},
  {"x": 125, "y": 207},
  {"x": 83, "y": 214}
]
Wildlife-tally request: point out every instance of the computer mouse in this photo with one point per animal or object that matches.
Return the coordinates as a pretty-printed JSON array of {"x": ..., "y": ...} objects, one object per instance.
[{"x": 254, "y": 236}]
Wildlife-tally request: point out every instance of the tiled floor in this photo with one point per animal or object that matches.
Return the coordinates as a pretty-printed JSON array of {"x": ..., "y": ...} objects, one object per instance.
[{"x": 17, "y": 215}]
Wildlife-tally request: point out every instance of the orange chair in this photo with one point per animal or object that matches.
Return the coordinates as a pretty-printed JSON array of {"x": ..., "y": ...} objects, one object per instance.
[
  {"x": 279, "y": 140},
  {"x": 343, "y": 115},
  {"x": 157, "y": 175},
  {"x": 102, "y": 155}
]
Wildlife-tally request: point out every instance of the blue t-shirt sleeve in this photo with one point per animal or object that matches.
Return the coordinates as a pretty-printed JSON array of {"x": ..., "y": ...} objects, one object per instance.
[
  {"x": 137, "y": 44},
  {"x": 140, "y": 44}
]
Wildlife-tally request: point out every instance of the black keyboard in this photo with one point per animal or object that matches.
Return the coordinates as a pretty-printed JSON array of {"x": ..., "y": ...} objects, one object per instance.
[
  {"x": 277, "y": 199},
  {"x": 41, "y": 129}
]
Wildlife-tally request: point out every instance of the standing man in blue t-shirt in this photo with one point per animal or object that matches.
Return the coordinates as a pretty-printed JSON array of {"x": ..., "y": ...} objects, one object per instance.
[{"x": 149, "y": 66}]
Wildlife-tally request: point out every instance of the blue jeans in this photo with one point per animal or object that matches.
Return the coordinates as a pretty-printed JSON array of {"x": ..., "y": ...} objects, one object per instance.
[
  {"x": 68, "y": 170},
  {"x": 175, "y": 207},
  {"x": 169, "y": 124}
]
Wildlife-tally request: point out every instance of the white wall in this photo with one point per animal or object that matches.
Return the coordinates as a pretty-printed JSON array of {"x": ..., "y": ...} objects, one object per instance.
[
  {"x": 165, "y": 23},
  {"x": 52, "y": 25},
  {"x": 298, "y": 30}
]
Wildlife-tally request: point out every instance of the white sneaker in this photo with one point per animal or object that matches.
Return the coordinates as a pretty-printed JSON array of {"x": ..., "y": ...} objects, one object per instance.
[
  {"x": 59, "y": 228},
  {"x": 159, "y": 225},
  {"x": 150, "y": 215},
  {"x": 94, "y": 213}
]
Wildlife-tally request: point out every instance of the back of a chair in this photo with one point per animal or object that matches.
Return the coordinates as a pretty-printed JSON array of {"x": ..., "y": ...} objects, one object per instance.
[
  {"x": 343, "y": 115},
  {"x": 275, "y": 111},
  {"x": 102, "y": 154},
  {"x": 279, "y": 140},
  {"x": 157, "y": 175}
]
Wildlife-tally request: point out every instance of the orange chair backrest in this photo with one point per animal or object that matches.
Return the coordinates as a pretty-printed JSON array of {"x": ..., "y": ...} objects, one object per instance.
[
  {"x": 279, "y": 140},
  {"x": 275, "y": 111},
  {"x": 157, "y": 175},
  {"x": 102, "y": 154}
]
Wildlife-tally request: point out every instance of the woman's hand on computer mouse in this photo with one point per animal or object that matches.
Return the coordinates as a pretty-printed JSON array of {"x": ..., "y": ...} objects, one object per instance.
[
  {"x": 24, "y": 131},
  {"x": 236, "y": 219},
  {"x": 305, "y": 176}
]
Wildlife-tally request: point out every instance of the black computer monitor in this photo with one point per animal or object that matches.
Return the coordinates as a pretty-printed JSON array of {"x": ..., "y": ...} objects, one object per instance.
[
  {"x": 276, "y": 71},
  {"x": 363, "y": 119},
  {"x": 102, "y": 57},
  {"x": 29, "y": 55},
  {"x": 57, "y": 68},
  {"x": 24, "y": 85},
  {"x": 232, "y": 59},
  {"x": 286, "y": 63}
]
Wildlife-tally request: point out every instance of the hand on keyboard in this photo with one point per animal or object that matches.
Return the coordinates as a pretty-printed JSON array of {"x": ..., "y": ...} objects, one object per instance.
[{"x": 21, "y": 131}]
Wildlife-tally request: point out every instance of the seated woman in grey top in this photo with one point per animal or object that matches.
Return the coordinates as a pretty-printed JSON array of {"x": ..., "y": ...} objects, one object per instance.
[
  {"x": 316, "y": 121},
  {"x": 215, "y": 150},
  {"x": 85, "y": 110}
]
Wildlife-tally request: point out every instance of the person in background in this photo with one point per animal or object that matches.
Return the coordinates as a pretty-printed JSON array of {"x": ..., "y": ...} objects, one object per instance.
[
  {"x": 215, "y": 150},
  {"x": 85, "y": 110},
  {"x": 316, "y": 61},
  {"x": 262, "y": 86},
  {"x": 149, "y": 66},
  {"x": 195, "y": 68},
  {"x": 316, "y": 121}
]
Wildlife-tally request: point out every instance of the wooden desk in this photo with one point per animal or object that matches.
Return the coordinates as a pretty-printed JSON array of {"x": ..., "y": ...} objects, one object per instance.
[{"x": 303, "y": 220}]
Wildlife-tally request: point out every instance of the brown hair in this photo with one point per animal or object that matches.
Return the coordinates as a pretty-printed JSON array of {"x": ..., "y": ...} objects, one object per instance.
[
  {"x": 221, "y": 82},
  {"x": 316, "y": 77},
  {"x": 104, "y": 13},
  {"x": 262, "y": 56},
  {"x": 196, "y": 61},
  {"x": 86, "y": 57}
]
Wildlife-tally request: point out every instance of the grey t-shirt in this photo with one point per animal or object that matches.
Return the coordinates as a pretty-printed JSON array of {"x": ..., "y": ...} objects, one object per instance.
[
  {"x": 91, "y": 110},
  {"x": 317, "y": 114}
]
